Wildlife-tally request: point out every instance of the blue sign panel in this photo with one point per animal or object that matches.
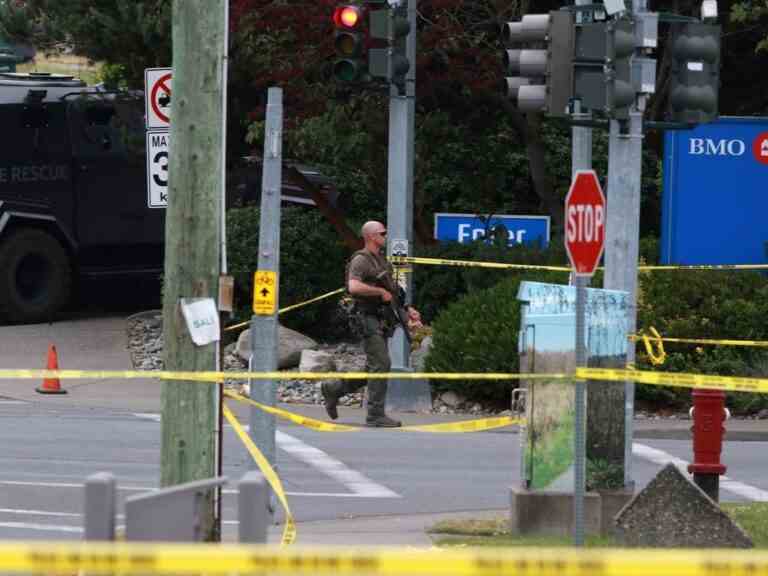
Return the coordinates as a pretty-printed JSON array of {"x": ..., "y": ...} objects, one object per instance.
[
  {"x": 470, "y": 227},
  {"x": 715, "y": 205}
]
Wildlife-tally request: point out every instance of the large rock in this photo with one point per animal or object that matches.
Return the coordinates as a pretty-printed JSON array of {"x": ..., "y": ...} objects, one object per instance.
[
  {"x": 291, "y": 344},
  {"x": 672, "y": 512},
  {"x": 316, "y": 361}
]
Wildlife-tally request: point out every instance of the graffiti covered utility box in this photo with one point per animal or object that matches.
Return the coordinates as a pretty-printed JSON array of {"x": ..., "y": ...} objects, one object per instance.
[{"x": 548, "y": 345}]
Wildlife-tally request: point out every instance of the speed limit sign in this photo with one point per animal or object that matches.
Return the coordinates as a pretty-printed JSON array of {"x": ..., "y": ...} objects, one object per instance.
[{"x": 158, "y": 144}]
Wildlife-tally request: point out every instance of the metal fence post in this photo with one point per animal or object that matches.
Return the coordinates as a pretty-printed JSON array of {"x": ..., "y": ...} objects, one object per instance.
[
  {"x": 100, "y": 506},
  {"x": 253, "y": 508}
]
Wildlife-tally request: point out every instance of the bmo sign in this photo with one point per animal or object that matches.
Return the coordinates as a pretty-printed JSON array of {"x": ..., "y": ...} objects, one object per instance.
[
  {"x": 585, "y": 222},
  {"x": 715, "y": 197}
]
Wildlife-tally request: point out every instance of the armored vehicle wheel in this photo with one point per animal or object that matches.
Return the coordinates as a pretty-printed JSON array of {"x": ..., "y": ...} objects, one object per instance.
[{"x": 35, "y": 276}]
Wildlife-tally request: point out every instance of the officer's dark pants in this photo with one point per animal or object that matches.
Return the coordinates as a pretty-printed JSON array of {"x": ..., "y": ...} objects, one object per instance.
[{"x": 376, "y": 360}]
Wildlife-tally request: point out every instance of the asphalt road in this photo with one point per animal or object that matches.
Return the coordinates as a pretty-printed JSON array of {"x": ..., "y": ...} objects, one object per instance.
[{"x": 47, "y": 451}]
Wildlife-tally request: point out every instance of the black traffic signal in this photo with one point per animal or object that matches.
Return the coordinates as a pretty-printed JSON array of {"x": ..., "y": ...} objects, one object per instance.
[
  {"x": 620, "y": 47},
  {"x": 602, "y": 67},
  {"x": 349, "y": 43},
  {"x": 390, "y": 62},
  {"x": 695, "y": 72},
  {"x": 539, "y": 67}
]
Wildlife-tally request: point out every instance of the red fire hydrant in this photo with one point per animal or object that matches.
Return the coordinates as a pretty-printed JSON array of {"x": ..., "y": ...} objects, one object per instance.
[{"x": 709, "y": 413}]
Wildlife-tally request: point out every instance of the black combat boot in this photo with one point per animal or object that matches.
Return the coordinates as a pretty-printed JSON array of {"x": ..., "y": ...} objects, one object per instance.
[
  {"x": 331, "y": 400},
  {"x": 382, "y": 421}
]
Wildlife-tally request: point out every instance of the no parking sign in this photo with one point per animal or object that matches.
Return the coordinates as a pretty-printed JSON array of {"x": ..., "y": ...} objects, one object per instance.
[{"x": 157, "y": 97}]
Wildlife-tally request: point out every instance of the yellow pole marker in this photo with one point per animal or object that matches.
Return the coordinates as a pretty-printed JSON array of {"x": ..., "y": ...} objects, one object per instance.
[
  {"x": 226, "y": 559},
  {"x": 264, "y": 292},
  {"x": 322, "y": 426},
  {"x": 289, "y": 531},
  {"x": 677, "y": 379}
]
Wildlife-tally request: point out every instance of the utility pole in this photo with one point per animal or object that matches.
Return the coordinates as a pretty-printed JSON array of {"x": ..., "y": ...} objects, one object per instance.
[
  {"x": 581, "y": 159},
  {"x": 192, "y": 241},
  {"x": 264, "y": 323},
  {"x": 408, "y": 394},
  {"x": 622, "y": 240}
]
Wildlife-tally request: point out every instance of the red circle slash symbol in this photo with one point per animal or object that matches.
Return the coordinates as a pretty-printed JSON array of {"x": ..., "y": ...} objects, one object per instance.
[{"x": 160, "y": 98}]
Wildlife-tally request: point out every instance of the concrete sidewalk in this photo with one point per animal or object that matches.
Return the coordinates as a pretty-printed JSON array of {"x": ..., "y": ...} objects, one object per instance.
[
  {"x": 94, "y": 344},
  {"x": 395, "y": 530}
]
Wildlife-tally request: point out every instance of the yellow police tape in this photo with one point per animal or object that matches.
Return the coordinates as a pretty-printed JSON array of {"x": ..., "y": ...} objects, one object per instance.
[
  {"x": 215, "y": 377},
  {"x": 473, "y": 264},
  {"x": 660, "y": 268},
  {"x": 659, "y": 378},
  {"x": 503, "y": 265},
  {"x": 478, "y": 425},
  {"x": 656, "y": 359},
  {"x": 289, "y": 308},
  {"x": 227, "y": 559},
  {"x": 677, "y": 379},
  {"x": 708, "y": 341},
  {"x": 289, "y": 531}
]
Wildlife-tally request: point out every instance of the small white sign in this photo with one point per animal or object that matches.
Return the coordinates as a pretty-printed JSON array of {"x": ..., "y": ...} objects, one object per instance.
[
  {"x": 158, "y": 144},
  {"x": 202, "y": 320},
  {"x": 696, "y": 66},
  {"x": 157, "y": 97},
  {"x": 400, "y": 247}
]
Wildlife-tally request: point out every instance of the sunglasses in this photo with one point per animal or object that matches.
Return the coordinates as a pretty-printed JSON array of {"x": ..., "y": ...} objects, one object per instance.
[{"x": 382, "y": 233}]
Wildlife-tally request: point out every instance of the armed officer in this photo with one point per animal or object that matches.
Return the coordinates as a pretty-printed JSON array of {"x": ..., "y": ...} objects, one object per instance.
[{"x": 371, "y": 285}]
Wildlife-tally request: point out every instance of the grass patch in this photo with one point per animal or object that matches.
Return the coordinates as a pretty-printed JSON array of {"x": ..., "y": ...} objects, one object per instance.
[
  {"x": 63, "y": 64},
  {"x": 488, "y": 532},
  {"x": 752, "y": 517},
  {"x": 495, "y": 532}
]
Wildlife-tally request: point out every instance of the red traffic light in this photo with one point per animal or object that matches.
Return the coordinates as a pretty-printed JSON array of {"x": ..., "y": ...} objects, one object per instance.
[{"x": 347, "y": 16}]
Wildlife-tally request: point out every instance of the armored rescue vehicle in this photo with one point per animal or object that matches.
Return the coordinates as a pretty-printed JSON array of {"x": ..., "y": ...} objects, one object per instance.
[{"x": 73, "y": 191}]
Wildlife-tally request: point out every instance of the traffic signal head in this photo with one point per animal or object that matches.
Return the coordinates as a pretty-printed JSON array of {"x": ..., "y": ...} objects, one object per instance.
[
  {"x": 390, "y": 62},
  {"x": 349, "y": 43},
  {"x": 539, "y": 79},
  {"x": 602, "y": 67},
  {"x": 620, "y": 47},
  {"x": 695, "y": 72}
]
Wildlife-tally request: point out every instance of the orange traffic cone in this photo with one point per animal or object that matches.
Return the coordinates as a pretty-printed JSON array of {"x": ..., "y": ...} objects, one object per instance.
[{"x": 51, "y": 385}]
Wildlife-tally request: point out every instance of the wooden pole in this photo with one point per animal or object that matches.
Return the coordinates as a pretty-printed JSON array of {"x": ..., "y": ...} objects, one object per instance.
[{"x": 192, "y": 240}]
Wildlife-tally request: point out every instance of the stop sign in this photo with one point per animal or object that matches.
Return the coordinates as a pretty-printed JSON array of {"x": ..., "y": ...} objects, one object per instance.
[{"x": 585, "y": 222}]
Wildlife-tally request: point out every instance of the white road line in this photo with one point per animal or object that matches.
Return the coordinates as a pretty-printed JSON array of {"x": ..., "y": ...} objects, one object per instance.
[
  {"x": 23, "y": 512},
  {"x": 11, "y": 402},
  {"x": 352, "y": 479},
  {"x": 360, "y": 485},
  {"x": 148, "y": 416},
  {"x": 154, "y": 488},
  {"x": 734, "y": 486},
  {"x": 41, "y": 527}
]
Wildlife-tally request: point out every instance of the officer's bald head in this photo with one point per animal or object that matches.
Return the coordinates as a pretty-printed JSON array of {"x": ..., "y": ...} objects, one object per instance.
[{"x": 371, "y": 228}]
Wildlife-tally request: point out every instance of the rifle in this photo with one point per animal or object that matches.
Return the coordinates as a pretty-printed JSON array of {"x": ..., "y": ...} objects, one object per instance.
[{"x": 395, "y": 308}]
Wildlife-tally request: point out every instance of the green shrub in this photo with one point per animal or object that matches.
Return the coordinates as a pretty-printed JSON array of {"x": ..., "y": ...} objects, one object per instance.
[
  {"x": 438, "y": 286},
  {"x": 479, "y": 333},
  {"x": 312, "y": 262},
  {"x": 711, "y": 304}
]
